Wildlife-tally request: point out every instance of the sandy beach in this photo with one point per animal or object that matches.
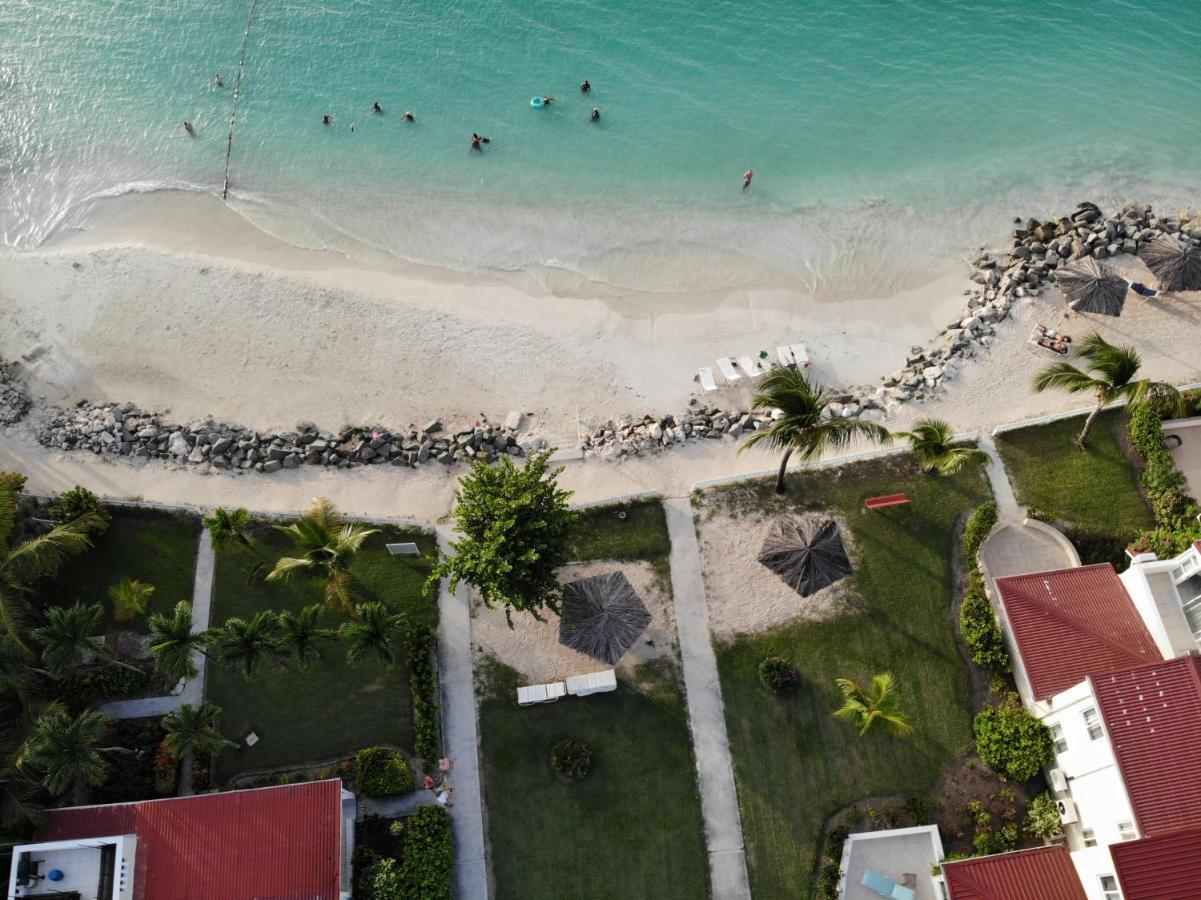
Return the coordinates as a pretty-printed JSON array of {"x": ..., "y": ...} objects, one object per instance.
[{"x": 177, "y": 304}]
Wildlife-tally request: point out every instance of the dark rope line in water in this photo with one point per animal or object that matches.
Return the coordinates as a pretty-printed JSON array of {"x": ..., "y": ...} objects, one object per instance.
[{"x": 233, "y": 115}]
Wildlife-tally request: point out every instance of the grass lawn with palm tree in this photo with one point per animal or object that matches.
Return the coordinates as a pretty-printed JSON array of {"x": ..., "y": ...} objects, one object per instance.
[
  {"x": 157, "y": 547},
  {"x": 794, "y": 763},
  {"x": 331, "y": 708},
  {"x": 632, "y": 827}
]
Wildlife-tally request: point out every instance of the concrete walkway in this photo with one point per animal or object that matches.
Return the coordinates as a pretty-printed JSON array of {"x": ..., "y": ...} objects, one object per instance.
[
  {"x": 1008, "y": 509},
  {"x": 706, "y": 712},
  {"x": 193, "y": 689},
  {"x": 459, "y": 738}
]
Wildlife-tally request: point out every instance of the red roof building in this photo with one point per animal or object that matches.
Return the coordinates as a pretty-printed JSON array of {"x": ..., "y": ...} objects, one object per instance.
[
  {"x": 1166, "y": 867},
  {"x": 1152, "y": 714},
  {"x": 1043, "y": 874},
  {"x": 280, "y": 842},
  {"x": 1072, "y": 622}
]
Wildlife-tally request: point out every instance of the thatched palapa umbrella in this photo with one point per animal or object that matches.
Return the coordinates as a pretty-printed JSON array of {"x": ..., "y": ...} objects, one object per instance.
[
  {"x": 602, "y": 616},
  {"x": 1091, "y": 288},
  {"x": 806, "y": 552},
  {"x": 1177, "y": 265}
]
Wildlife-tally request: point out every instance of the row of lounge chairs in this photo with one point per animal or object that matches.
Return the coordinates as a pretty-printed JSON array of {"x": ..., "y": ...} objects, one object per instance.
[
  {"x": 577, "y": 686},
  {"x": 752, "y": 368},
  {"x": 1049, "y": 339}
]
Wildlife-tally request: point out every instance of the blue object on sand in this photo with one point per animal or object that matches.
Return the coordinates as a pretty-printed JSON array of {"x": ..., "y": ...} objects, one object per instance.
[
  {"x": 1140, "y": 288},
  {"x": 537, "y": 102}
]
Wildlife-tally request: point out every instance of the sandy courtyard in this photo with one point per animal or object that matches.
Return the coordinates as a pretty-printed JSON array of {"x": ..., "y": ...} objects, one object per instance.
[
  {"x": 744, "y": 595},
  {"x": 532, "y": 647}
]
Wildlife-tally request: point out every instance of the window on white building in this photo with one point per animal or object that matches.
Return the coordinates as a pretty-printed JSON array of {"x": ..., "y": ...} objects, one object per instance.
[
  {"x": 1061, "y": 743},
  {"x": 1092, "y": 721},
  {"x": 1089, "y": 837},
  {"x": 1109, "y": 888},
  {"x": 1126, "y": 831}
]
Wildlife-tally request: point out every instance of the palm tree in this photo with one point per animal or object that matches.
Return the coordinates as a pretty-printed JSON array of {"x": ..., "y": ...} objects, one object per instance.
[
  {"x": 172, "y": 641},
  {"x": 373, "y": 633},
  {"x": 879, "y": 703},
  {"x": 194, "y": 728},
  {"x": 325, "y": 546},
  {"x": 63, "y": 749},
  {"x": 799, "y": 426},
  {"x": 1111, "y": 377},
  {"x": 129, "y": 598},
  {"x": 930, "y": 442},
  {"x": 38, "y": 557},
  {"x": 248, "y": 643},
  {"x": 228, "y": 527},
  {"x": 67, "y": 637},
  {"x": 302, "y": 634}
]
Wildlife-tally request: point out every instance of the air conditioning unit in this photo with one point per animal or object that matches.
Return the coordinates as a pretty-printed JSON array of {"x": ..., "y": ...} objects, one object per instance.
[
  {"x": 1067, "y": 811},
  {"x": 1059, "y": 781}
]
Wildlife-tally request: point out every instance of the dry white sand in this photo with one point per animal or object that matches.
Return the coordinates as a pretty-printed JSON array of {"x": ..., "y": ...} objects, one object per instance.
[
  {"x": 532, "y": 647},
  {"x": 744, "y": 595}
]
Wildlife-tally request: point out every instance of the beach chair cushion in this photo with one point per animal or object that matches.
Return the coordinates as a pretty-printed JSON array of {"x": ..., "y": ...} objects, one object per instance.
[
  {"x": 885, "y": 886},
  {"x": 786, "y": 356},
  {"x": 750, "y": 366},
  {"x": 707, "y": 381},
  {"x": 800, "y": 353},
  {"x": 592, "y": 683},
  {"x": 726, "y": 366}
]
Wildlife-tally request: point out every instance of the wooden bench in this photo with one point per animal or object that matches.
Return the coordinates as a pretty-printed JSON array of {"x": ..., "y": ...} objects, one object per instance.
[{"x": 886, "y": 501}]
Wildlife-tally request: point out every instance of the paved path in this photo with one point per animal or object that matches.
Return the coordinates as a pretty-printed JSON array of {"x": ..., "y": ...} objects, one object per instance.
[
  {"x": 706, "y": 713},
  {"x": 1008, "y": 509},
  {"x": 459, "y": 736},
  {"x": 193, "y": 690}
]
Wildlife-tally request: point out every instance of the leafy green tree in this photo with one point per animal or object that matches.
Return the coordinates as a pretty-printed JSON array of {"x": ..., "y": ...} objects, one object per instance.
[
  {"x": 1110, "y": 376},
  {"x": 800, "y": 426},
  {"x": 932, "y": 444},
  {"x": 195, "y": 728},
  {"x": 879, "y": 705},
  {"x": 129, "y": 598},
  {"x": 302, "y": 635},
  {"x": 249, "y": 643},
  {"x": 374, "y": 633},
  {"x": 1011, "y": 741},
  {"x": 79, "y": 501},
  {"x": 515, "y": 524},
  {"x": 67, "y": 637},
  {"x": 1042, "y": 817},
  {"x": 325, "y": 546},
  {"x": 172, "y": 642},
  {"x": 39, "y": 557},
  {"x": 64, "y": 749}
]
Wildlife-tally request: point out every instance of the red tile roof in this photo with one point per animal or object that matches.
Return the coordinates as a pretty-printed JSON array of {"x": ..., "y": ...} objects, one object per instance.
[
  {"x": 1043, "y": 874},
  {"x": 1153, "y": 717},
  {"x": 280, "y": 842},
  {"x": 1167, "y": 867},
  {"x": 1070, "y": 623}
]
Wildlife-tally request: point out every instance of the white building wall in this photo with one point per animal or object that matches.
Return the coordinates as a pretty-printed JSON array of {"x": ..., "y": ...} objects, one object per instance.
[
  {"x": 1091, "y": 864},
  {"x": 1150, "y": 587}
]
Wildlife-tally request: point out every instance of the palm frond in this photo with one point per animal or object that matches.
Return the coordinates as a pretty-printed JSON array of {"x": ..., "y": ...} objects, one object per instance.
[
  {"x": 1066, "y": 377},
  {"x": 41, "y": 556}
]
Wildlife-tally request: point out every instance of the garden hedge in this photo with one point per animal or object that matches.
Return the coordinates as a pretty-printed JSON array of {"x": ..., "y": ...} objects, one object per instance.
[
  {"x": 419, "y": 643},
  {"x": 381, "y": 772}
]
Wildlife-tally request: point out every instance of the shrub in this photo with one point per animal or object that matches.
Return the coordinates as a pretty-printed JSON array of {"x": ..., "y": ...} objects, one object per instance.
[
  {"x": 920, "y": 809},
  {"x": 381, "y": 881},
  {"x": 571, "y": 759},
  {"x": 977, "y": 529},
  {"x": 777, "y": 674},
  {"x": 423, "y": 688},
  {"x": 1095, "y": 546},
  {"x": 979, "y": 628},
  {"x": 1042, "y": 817},
  {"x": 1011, "y": 741},
  {"x": 381, "y": 771},
  {"x": 83, "y": 687},
  {"x": 1175, "y": 512},
  {"x": 1145, "y": 430},
  {"x": 202, "y": 771},
  {"x": 70, "y": 505},
  {"x": 166, "y": 770},
  {"x": 427, "y": 855}
]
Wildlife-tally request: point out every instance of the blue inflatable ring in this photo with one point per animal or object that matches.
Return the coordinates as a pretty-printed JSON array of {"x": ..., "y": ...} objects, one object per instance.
[{"x": 537, "y": 102}]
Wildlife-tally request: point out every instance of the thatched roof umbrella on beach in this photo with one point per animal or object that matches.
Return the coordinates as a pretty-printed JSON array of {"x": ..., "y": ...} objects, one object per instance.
[
  {"x": 602, "y": 616},
  {"x": 1091, "y": 288},
  {"x": 1177, "y": 265},
  {"x": 806, "y": 552}
]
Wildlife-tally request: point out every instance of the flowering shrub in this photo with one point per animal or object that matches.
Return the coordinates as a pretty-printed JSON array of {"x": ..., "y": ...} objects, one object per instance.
[
  {"x": 777, "y": 674},
  {"x": 571, "y": 759}
]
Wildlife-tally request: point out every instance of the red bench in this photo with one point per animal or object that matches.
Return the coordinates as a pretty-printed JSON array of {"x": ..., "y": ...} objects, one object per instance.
[{"x": 886, "y": 501}]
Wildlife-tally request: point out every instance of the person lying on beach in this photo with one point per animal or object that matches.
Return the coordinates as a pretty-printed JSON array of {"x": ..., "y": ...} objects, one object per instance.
[
  {"x": 376, "y": 108},
  {"x": 189, "y": 128},
  {"x": 218, "y": 80},
  {"x": 585, "y": 87},
  {"x": 746, "y": 179},
  {"x": 1054, "y": 346},
  {"x": 1051, "y": 333},
  {"x": 595, "y": 114},
  {"x": 409, "y": 117},
  {"x": 327, "y": 120}
]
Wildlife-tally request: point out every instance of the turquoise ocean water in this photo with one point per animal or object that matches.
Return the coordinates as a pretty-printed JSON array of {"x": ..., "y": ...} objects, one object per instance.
[{"x": 885, "y": 135}]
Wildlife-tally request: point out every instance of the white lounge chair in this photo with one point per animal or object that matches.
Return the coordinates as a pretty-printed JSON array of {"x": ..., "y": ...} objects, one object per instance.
[
  {"x": 726, "y": 366},
  {"x": 800, "y": 355},
  {"x": 707, "y": 381},
  {"x": 592, "y": 683},
  {"x": 750, "y": 366},
  {"x": 786, "y": 356},
  {"x": 403, "y": 549},
  {"x": 540, "y": 693}
]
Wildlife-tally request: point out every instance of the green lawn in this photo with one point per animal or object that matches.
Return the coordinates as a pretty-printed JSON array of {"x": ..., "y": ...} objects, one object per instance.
[
  {"x": 632, "y": 828},
  {"x": 795, "y": 765},
  {"x": 332, "y": 709},
  {"x": 1095, "y": 487},
  {"x": 157, "y": 547}
]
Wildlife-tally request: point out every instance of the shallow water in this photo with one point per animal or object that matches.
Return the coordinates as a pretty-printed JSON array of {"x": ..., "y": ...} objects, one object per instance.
[{"x": 886, "y": 137}]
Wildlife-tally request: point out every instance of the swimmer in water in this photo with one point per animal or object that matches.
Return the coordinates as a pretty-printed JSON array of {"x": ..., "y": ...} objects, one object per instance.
[
  {"x": 218, "y": 80},
  {"x": 595, "y": 114},
  {"x": 585, "y": 87},
  {"x": 746, "y": 179},
  {"x": 475, "y": 142},
  {"x": 547, "y": 101},
  {"x": 376, "y": 108},
  {"x": 327, "y": 120},
  {"x": 189, "y": 128},
  {"x": 409, "y": 117}
]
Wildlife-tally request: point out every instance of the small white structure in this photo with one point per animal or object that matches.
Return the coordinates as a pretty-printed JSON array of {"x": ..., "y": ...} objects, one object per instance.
[
  {"x": 540, "y": 693},
  {"x": 404, "y": 549},
  {"x": 592, "y": 683},
  {"x": 900, "y": 855},
  {"x": 98, "y": 868},
  {"x": 1167, "y": 595}
]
